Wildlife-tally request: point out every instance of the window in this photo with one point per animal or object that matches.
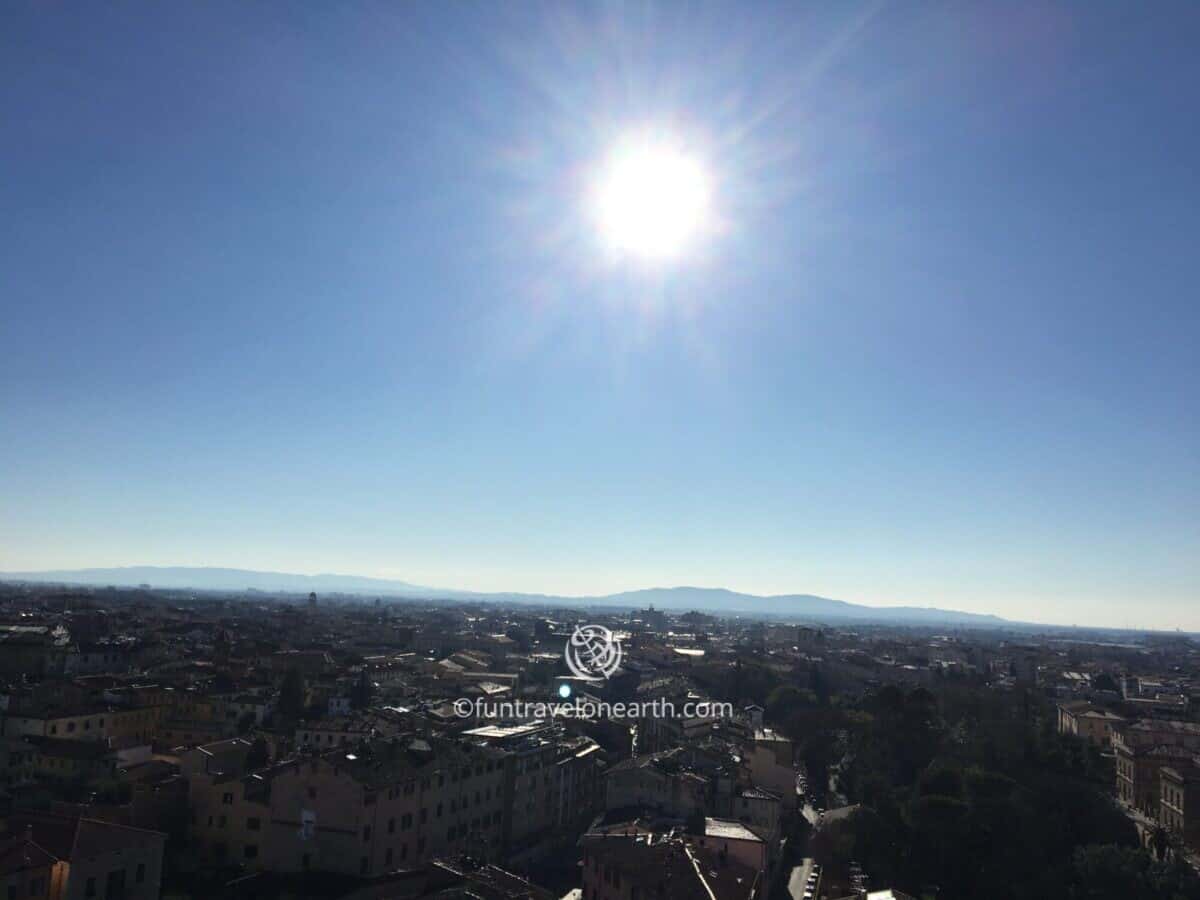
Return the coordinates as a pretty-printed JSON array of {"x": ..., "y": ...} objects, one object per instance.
[
  {"x": 387, "y": 857},
  {"x": 312, "y": 793},
  {"x": 70, "y": 726},
  {"x": 362, "y": 866},
  {"x": 251, "y": 851},
  {"x": 221, "y": 822},
  {"x": 391, "y": 826},
  {"x": 404, "y": 851},
  {"x": 366, "y": 832},
  {"x": 227, "y": 799},
  {"x": 90, "y": 890},
  {"x": 140, "y": 875},
  {"x": 253, "y": 824}
]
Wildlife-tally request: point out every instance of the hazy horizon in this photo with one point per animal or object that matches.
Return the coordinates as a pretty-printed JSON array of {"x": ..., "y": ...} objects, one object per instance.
[
  {"x": 327, "y": 289},
  {"x": 457, "y": 591}
]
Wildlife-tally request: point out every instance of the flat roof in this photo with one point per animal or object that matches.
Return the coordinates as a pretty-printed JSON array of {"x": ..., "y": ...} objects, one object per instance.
[{"x": 729, "y": 829}]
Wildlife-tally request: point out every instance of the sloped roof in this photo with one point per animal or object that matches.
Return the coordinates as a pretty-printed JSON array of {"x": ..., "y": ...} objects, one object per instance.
[
  {"x": 21, "y": 852},
  {"x": 70, "y": 837}
]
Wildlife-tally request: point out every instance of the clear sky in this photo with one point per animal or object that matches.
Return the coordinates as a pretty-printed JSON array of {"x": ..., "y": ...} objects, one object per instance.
[{"x": 313, "y": 287}]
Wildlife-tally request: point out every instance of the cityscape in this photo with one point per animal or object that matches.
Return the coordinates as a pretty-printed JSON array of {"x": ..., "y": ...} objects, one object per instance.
[
  {"x": 600, "y": 450},
  {"x": 176, "y": 743}
]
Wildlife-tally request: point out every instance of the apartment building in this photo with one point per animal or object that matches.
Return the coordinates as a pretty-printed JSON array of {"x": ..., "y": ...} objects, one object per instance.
[
  {"x": 769, "y": 758},
  {"x": 1138, "y": 773},
  {"x": 661, "y": 782},
  {"x": 365, "y": 809},
  {"x": 1152, "y": 732},
  {"x": 1179, "y": 802},
  {"x": 1088, "y": 721},
  {"x": 386, "y": 804},
  {"x": 551, "y": 783},
  {"x": 89, "y": 723},
  {"x": 1142, "y": 749}
]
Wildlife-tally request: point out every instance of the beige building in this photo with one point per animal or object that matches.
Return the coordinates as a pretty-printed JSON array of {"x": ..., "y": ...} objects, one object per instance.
[
  {"x": 86, "y": 724},
  {"x": 1089, "y": 722},
  {"x": 362, "y": 810},
  {"x": 769, "y": 758},
  {"x": 1142, "y": 749},
  {"x": 552, "y": 784},
  {"x": 375, "y": 808},
  {"x": 658, "y": 782}
]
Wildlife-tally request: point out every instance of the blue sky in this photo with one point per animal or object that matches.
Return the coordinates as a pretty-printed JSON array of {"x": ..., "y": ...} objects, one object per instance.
[{"x": 308, "y": 287}]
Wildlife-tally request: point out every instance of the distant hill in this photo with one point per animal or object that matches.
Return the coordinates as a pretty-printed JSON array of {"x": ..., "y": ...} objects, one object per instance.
[
  {"x": 792, "y": 604},
  {"x": 675, "y": 598}
]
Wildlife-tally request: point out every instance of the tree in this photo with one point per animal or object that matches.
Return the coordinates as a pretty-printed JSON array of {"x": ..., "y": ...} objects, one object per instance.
[
  {"x": 1127, "y": 873},
  {"x": 785, "y": 701}
]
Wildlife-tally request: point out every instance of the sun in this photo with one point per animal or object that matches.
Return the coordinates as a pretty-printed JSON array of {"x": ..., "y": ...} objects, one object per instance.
[{"x": 651, "y": 199}]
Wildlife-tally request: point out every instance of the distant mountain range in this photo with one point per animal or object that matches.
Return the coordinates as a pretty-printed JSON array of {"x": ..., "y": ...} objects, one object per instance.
[{"x": 674, "y": 599}]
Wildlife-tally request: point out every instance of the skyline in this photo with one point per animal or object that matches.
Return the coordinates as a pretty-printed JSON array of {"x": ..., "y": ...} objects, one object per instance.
[
  {"x": 711, "y": 598},
  {"x": 316, "y": 290}
]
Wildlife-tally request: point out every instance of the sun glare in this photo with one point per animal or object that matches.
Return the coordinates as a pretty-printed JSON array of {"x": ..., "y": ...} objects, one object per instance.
[{"x": 651, "y": 200}]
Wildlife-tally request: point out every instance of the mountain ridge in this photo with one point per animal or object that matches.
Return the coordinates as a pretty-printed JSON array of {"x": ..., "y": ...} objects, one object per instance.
[{"x": 683, "y": 597}]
